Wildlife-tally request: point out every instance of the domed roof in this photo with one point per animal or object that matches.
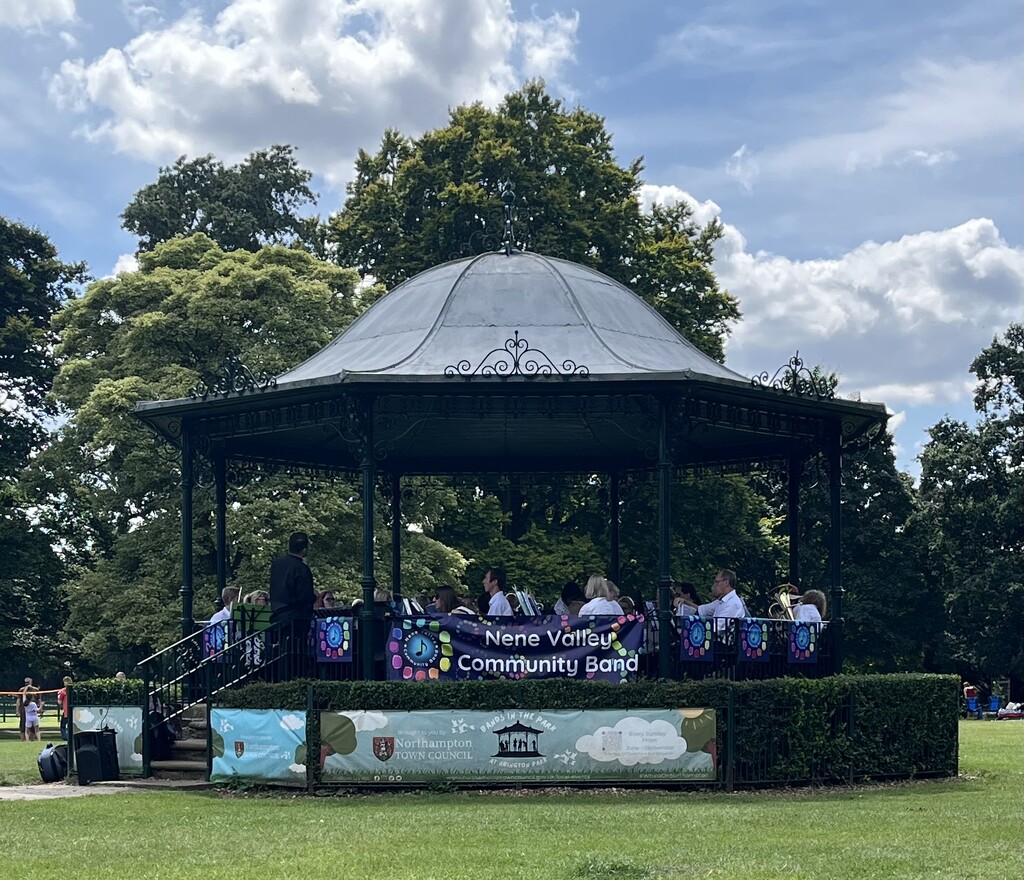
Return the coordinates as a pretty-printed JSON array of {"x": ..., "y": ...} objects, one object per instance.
[{"x": 462, "y": 317}]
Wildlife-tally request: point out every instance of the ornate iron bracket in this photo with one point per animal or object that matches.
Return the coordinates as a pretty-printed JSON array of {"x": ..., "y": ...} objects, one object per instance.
[
  {"x": 797, "y": 379},
  {"x": 516, "y": 358},
  {"x": 232, "y": 377}
]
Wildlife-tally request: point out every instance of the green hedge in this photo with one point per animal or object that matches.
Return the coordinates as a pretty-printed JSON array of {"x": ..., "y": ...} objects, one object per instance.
[
  {"x": 108, "y": 692},
  {"x": 780, "y": 730}
]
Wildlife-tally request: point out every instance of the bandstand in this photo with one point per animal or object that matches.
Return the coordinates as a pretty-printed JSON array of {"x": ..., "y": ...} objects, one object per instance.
[{"x": 512, "y": 363}]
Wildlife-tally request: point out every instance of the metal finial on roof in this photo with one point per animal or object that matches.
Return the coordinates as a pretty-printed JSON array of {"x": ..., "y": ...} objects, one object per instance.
[{"x": 508, "y": 199}]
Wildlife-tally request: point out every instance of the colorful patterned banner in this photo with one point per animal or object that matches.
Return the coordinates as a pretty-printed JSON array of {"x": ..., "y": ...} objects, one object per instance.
[
  {"x": 127, "y": 721},
  {"x": 268, "y": 745},
  {"x": 518, "y": 745},
  {"x": 216, "y": 637},
  {"x": 454, "y": 647},
  {"x": 332, "y": 639},
  {"x": 697, "y": 640},
  {"x": 803, "y": 642},
  {"x": 754, "y": 640}
]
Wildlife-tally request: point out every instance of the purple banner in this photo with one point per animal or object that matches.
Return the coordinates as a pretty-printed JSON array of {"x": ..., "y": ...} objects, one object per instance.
[
  {"x": 754, "y": 640},
  {"x": 452, "y": 647},
  {"x": 332, "y": 639},
  {"x": 697, "y": 640},
  {"x": 216, "y": 637},
  {"x": 803, "y": 642}
]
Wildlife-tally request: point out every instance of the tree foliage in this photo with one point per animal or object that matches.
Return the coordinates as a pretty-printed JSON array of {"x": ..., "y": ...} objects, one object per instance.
[
  {"x": 240, "y": 207},
  {"x": 415, "y": 203},
  {"x": 972, "y": 489},
  {"x": 34, "y": 283},
  {"x": 114, "y": 493}
]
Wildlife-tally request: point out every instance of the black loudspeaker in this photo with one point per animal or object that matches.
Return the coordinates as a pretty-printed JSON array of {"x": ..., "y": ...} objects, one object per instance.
[
  {"x": 96, "y": 756},
  {"x": 87, "y": 760}
]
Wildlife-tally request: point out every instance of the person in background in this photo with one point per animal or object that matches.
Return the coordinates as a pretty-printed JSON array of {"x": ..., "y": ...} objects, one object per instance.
[
  {"x": 726, "y": 602},
  {"x": 600, "y": 593},
  {"x": 228, "y": 597},
  {"x": 325, "y": 601},
  {"x": 62, "y": 706},
  {"x": 256, "y": 597},
  {"x": 291, "y": 601},
  {"x": 19, "y": 705},
  {"x": 627, "y": 605},
  {"x": 447, "y": 601},
  {"x": 494, "y": 585},
  {"x": 571, "y": 592},
  {"x": 685, "y": 601},
  {"x": 812, "y": 607},
  {"x": 32, "y": 718},
  {"x": 121, "y": 677}
]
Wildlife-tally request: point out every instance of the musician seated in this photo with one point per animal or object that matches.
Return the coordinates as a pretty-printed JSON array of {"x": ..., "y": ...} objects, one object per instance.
[
  {"x": 447, "y": 601},
  {"x": 684, "y": 600},
  {"x": 811, "y": 608},
  {"x": 601, "y": 594},
  {"x": 727, "y": 602}
]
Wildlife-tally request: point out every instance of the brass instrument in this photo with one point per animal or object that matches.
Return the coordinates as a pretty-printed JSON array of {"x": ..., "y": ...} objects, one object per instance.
[{"x": 782, "y": 607}]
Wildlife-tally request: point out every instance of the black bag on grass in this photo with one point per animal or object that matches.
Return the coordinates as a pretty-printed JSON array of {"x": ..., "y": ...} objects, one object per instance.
[{"x": 53, "y": 763}]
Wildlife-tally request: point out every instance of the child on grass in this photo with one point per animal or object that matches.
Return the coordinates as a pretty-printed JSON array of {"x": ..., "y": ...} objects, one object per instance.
[{"x": 32, "y": 719}]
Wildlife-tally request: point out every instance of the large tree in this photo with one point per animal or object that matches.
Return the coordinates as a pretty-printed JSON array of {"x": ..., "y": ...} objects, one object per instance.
[
  {"x": 972, "y": 487},
  {"x": 418, "y": 202},
  {"x": 241, "y": 207},
  {"x": 153, "y": 334},
  {"x": 34, "y": 282}
]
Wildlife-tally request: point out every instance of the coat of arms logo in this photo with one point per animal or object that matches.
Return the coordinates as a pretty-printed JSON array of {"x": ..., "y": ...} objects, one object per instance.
[
  {"x": 383, "y": 747},
  {"x": 239, "y": 748}
]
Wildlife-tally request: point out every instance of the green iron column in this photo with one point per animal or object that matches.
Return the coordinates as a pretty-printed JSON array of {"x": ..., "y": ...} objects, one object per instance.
[
  {"x": 613, "y": 525},
  {"x": 793, "y": 518},
  {"x": 221, "y": 488},
  {"x": 835, "y": 483},
  {"x": 369, "y": 582},
  {"x": 396, "y": 535},
  {"x": 187, "y": 482},
  {"x": 664, "y": 548}
]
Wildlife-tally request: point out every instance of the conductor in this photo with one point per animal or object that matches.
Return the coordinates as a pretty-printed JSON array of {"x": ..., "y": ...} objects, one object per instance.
[{"x": 292, "y": 595}]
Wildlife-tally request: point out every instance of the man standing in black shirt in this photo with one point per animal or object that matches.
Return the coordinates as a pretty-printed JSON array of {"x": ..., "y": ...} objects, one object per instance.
[{"x": 291, "y": 601}]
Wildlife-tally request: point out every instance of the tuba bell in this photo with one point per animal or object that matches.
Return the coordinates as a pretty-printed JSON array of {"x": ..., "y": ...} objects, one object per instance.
[{"x": 782, "y": 607}]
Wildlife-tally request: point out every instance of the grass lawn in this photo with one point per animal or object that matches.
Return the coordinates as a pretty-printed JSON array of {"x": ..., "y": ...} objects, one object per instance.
[{"x": 971, "y": 827}]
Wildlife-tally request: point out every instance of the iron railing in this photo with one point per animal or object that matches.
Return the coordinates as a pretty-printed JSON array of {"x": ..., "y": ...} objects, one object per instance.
[{"x": 196, "y": 669}]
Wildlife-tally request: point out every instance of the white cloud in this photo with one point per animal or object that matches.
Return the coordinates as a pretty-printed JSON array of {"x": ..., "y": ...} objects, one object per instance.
[
  {"x": 743, "y": 167},
  {"x": 633, "y": 741},
  {"x": 293, "y": 722},
  {"x": 329, "y": 75},
  {"x": 937, "y": 108},
  {"x": 900, "y": 320},
  {"x": 125, "y": 263},
  {"x": 549, "y": 44},
  {"x": 365, "y": 720},
  {"x": 34, "y": 14}
]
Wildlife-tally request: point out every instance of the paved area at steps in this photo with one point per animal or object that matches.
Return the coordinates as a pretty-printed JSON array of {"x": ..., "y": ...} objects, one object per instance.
[{"x": 50, "y": 791}]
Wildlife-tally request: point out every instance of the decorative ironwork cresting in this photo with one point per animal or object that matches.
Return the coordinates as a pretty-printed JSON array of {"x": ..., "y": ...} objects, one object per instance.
[
  {"x": 516, "y": 358},
  {"x": 508, "y": 199},
  {"x": 797, "y": 379},
  {"x": 232, "y": 377}
]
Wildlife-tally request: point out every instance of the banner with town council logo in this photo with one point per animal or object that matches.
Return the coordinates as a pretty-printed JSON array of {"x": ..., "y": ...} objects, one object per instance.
[
  {"x": 518, "y": 745},
  {"x": 268, "y": 745},
  {"x": 127, "y": 721},
  {"x": 460, "y": 647}
]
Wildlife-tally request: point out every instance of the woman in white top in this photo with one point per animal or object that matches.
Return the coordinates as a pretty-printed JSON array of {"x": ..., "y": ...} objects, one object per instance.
[
  {"x": 601, "y": 594},
  {"x": 811, "y": 607}
]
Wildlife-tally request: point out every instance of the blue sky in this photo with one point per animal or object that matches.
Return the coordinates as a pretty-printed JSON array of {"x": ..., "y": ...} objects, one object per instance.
[{"x": 866, "y": 158}]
